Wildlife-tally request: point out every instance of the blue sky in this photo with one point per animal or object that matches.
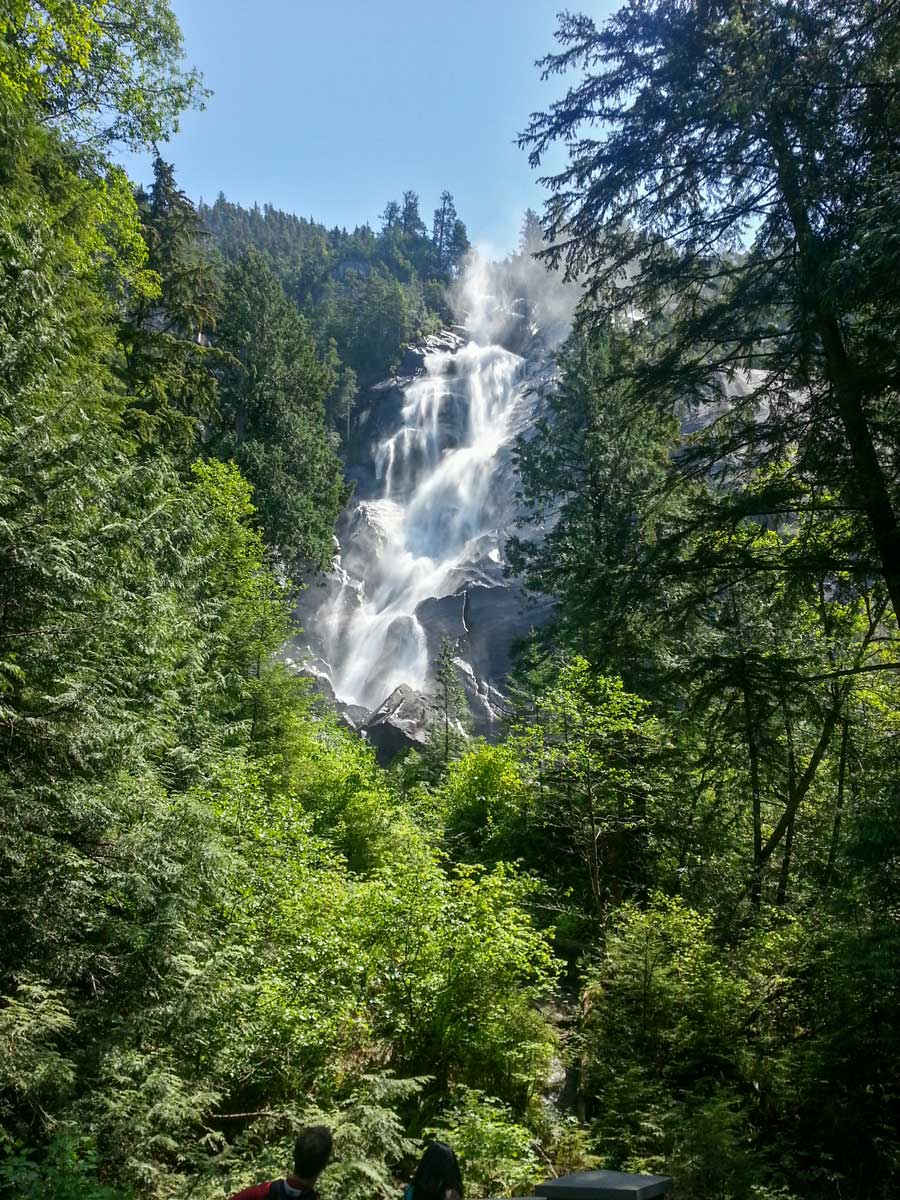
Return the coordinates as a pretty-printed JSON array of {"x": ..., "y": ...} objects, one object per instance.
[{"x": 329, "y": 108}]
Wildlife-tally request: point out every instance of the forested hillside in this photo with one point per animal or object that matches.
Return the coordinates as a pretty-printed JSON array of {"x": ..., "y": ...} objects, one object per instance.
[
  {"x": 655, "y": 927},
  {"x": 364, "y": 293}
]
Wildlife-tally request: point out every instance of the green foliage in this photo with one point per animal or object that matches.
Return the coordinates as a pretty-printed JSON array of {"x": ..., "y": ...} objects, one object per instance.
[
  {"x": 739, "y": 259},
  {"x": 369, "y": 1141},
  {"x": 217, "y": 917},
  {"x": 660, "y": 976},
  {"x": 452, "y": 707},
  {"x": 496, "y": 1152},
  {"x": 221, "y": 918},
  {"x": 598, "y": 465},
  {"x": 32, "y": 1022},
  {"x": 449, "y": 235},
  {"x": 166, "y": 358},
  {"x": 369, "y": 318},
  {"x": 272, "y": 396},
  {"x": 106, "y": 70},
  {"x": 369, "y": 1138},
  {"x": 365, "y": 293},
  {"x": 67, "y": 1169},
  {"x": 594, "y": 752},
  {"x": 720, "y": 510},
  {"x": 488, "y": 807},
  {"x": 667, "y": 1038},
  {"x": 461, "y": 968}
]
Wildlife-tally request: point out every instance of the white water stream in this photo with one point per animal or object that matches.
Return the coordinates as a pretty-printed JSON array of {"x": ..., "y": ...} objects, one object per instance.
[{"x": 438, "y": 508}]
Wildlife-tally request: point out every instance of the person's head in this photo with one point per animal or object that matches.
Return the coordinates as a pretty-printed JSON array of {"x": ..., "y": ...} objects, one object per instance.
[
  {"x": 437, "y": 1176},
  {"x": 312, "y": 1150}
]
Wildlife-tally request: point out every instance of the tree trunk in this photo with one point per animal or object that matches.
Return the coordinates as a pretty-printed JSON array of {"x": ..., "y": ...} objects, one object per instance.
[
  {"x": 785, "y": 873},
  {"x": 803, "y": 784},
  {"x": 868, "y": 480},
  {"x": 756, "y": 798},
  {"x": 593, "y": 848},
  {"x": 839, "y": 804}
]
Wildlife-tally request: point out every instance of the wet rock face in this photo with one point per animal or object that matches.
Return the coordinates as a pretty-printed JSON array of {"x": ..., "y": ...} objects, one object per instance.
[
  {"x": 420, "y": 556},
  {"x": 483, "y": 621},
  {"x": 400, "y": 723},
  {"x": 414, "y": 356},
  {"x": 496, "y": 618}
]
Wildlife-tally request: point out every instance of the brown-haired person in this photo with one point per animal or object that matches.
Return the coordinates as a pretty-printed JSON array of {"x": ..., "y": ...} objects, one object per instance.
[{"x": 312, "y": 1150}]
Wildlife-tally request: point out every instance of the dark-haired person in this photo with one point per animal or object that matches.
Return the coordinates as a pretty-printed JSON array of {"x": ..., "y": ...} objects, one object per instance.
[
  {"x": 312, "y": 1150},
  {"x": 437, "y": 1176}
]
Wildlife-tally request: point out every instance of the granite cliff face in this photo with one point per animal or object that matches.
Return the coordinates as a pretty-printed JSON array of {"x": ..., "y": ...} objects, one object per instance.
[{"x": 420, "y": 550}]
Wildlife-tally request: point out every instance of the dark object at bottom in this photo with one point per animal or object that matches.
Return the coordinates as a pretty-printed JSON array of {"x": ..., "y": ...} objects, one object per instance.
[{"x": 605, "y": 1185}]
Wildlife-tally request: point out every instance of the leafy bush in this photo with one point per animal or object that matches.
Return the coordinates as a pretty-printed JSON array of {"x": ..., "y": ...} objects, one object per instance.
[
  {"x": 497, "y": 1153},
  {"x": 65, "y": 1169}
]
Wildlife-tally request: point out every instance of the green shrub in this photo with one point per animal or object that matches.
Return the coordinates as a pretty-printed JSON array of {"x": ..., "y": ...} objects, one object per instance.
[{"x": 498, "y": 1154}]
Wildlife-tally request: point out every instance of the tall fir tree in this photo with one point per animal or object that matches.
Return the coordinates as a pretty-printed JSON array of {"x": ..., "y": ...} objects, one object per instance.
[
  {"x": 272, "y": 397},
  {"x": 453, "y": 709},
  {"x": 737, "y": 202},
  {"x": 166, "y": 365}
]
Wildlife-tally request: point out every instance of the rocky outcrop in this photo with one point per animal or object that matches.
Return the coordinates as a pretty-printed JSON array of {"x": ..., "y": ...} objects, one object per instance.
[
  {"x": 412, "y": 363},
  {"x": 352, "y": 715},
  {"x": 400, "y": 723},
  {"x": 498, "y": 617},
  {"x": 483, "y": 621}
]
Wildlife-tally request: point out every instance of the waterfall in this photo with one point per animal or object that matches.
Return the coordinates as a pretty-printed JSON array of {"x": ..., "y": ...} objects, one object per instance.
[
  {"x": 423, "y": 543},
  {"x": 436, "y": 510}
]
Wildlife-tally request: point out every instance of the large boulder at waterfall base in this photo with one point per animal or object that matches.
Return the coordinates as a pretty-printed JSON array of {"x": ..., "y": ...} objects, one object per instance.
[{"x": 400, "y": 723}]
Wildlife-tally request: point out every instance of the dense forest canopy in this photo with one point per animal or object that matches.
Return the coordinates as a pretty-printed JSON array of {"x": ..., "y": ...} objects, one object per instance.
[
  {"x": 675, "y": 878},
  {"x": 367, "y": 293}
]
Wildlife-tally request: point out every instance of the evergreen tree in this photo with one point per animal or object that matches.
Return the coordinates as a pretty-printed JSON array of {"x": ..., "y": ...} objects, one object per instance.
[
  {"x": 596, "y": 750},
  {"x": 367, "y": 294},
  {"x": 713, "y": 532},
  {"x": 182, "y": 829},
  {"x": 164, "y": 337},
  {"x": 449, "y": 236},
  {"x": 218, "y": 912},
  {"x": 272, "y": 400},
  {"x": 531, "y": 235},
  {"x": 390, "y": 218},
  {"x": 411, "y": 223},
  {"x": 738, "y": 199},
  {"x": 452, "y": 705},
  {"x": 593, "y": 476},
  {"x": 442, "y": 228},
  {"x": 343, "y": 395},
  {"x": 458, "y": 247},
  {"x": 370, "y": 320}
]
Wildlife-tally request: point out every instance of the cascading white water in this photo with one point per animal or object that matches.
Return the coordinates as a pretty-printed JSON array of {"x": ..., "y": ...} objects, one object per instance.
[
  {"x": 437, "y": 507},
  {"x": 421, "y": 552}
]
